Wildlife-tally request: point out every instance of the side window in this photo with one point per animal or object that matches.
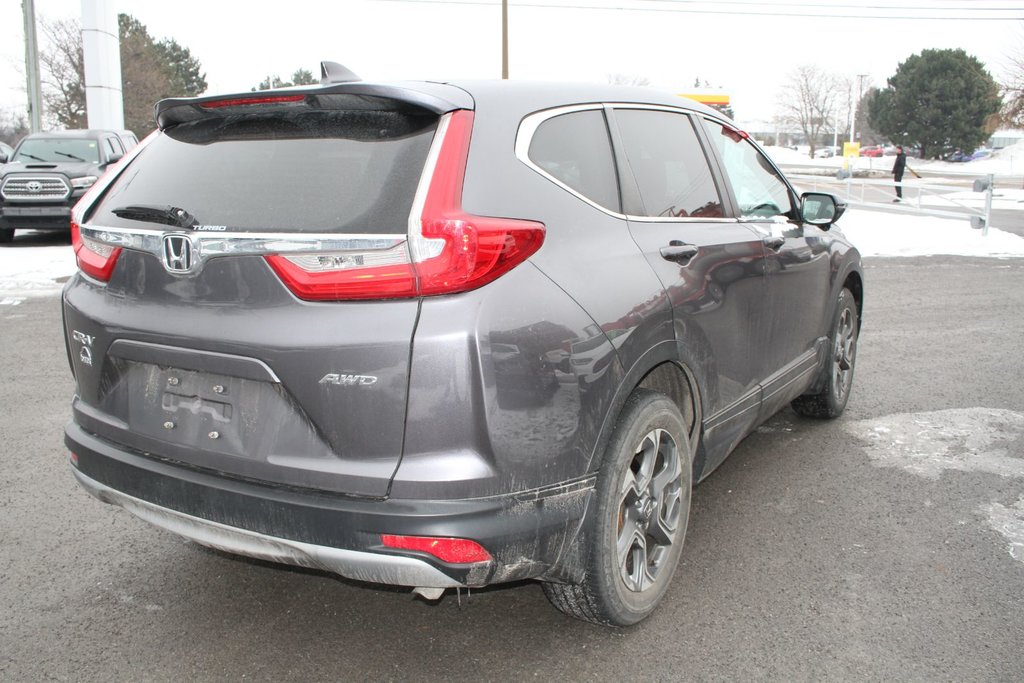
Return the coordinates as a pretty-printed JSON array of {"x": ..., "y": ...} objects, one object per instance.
[
  {"x": 576, "y": 149},
  {"x": 759, "y": 190},
  {"x": 669, "y": 165},
  {"x": 114, "y": 147}
]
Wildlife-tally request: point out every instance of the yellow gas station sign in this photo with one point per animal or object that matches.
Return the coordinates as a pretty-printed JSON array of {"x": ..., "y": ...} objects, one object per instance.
[{"x": 708, "y": 98}]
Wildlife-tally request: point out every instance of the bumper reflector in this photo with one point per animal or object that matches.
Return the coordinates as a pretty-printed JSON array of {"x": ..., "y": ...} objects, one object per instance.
[{"x": 453, "y": 550}]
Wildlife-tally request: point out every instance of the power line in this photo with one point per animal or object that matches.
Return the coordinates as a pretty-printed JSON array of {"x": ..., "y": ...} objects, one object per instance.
[
  {"x": 826, "y": 5},
  {"x": 762, "y": 12}
]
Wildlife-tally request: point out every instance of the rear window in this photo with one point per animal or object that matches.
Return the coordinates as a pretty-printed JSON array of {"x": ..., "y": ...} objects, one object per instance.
[
  {"x": 58, "y": 150},
  {"x": 336, "y": 171}
]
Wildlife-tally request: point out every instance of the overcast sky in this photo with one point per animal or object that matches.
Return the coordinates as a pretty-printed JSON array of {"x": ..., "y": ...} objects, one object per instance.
[{"x": 746, "y": 48}]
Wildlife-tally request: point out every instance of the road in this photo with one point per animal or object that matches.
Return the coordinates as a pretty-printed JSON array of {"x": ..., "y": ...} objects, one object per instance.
[{"x": 877, "y": 546}]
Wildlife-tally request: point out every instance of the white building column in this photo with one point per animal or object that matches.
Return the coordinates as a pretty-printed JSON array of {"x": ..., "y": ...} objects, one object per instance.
[{"x": 102, "y": 53}]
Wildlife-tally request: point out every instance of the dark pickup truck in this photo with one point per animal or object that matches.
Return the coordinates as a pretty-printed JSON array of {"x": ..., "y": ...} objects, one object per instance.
[{"x": 48, "y": 173}]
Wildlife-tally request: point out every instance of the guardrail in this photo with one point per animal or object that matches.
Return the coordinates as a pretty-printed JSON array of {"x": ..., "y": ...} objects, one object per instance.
[{"x": 914, "y": 191}]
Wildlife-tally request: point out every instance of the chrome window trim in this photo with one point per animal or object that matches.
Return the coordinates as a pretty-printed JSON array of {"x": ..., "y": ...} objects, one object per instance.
[
  {"x": 210, "y": 245},
  {"x": 420, "y": 247},
  {"x": 528, "y": 127}
]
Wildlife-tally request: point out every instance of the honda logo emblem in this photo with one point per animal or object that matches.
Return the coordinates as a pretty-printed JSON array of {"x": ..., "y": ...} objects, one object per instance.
[{"x": 178, "y": 256}]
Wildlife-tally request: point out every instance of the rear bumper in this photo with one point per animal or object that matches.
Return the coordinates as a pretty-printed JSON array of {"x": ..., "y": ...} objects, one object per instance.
[{"x": 526, "y": 533}]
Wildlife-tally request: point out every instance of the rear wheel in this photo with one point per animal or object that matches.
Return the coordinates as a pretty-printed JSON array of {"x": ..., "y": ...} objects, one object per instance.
[
  {"x": 837, "y": 381},
  {"x": 635, "y": 536},
  {"x": 6, "y": 235}
]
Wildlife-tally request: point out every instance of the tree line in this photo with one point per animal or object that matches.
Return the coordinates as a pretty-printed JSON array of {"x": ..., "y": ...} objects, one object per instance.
[{"x": 937, "y": 102}]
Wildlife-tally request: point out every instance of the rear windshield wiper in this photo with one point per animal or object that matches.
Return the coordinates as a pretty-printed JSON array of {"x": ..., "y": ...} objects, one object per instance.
[
  {"x": 70, "y": 156},
  {"x": 165, "y": 215}
]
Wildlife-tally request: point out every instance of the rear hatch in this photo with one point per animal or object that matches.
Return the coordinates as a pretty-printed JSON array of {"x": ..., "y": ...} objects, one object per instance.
[{"x": 234, "y": 311}]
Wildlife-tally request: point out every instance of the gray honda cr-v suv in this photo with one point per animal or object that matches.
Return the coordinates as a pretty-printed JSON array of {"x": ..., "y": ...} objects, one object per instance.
[{"x": 447, "y": 334}]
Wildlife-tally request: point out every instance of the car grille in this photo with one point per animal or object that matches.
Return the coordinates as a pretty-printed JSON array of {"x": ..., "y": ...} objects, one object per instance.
[{"x": 35, "y": 187}]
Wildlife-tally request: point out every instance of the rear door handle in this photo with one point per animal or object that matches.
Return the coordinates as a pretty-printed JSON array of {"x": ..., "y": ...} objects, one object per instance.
[
  {"x": 678, "y": 252},
  {"x": 774, "y": 242}
]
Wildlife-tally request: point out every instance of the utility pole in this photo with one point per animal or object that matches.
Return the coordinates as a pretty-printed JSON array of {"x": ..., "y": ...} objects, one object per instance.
[
  {"x": 860, "y": 93},
  {"x": 35, "y": 96},
  {"x": 504, "y": 39}
]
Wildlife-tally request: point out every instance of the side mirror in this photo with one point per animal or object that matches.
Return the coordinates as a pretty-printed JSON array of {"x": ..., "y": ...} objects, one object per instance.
[
  {"x": 3, "y": 158},
  {"x": 821, "y": 209},
  {"x": 114, "y": 158}
]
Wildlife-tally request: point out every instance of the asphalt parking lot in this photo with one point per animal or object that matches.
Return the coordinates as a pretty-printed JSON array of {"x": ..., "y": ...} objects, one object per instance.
[{"x": 886, "y": 545}]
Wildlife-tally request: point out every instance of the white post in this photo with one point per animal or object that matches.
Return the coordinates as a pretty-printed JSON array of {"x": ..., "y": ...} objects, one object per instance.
[
  {"x": 102, "y": 53},
  {"x": 988, "y": 204}
]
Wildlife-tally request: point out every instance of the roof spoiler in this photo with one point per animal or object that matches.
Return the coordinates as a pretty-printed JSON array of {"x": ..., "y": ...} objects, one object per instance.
[{"x": 332, "y": 72}]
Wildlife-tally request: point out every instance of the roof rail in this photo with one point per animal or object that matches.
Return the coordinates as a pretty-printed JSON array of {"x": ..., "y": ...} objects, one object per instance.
[{"x": 332, "y": 72}]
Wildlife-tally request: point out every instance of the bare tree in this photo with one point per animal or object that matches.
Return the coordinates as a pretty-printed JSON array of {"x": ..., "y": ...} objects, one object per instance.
[
  {"x": 810, "y": 101},
  {"x": 13, "y": 127},
  {"x": 1013, "y": 88},
  {"x": 63, "y": 73}
]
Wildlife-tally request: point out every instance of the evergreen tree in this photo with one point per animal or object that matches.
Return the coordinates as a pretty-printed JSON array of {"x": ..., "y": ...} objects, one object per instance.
[
  {"x": 940, "y": 101},
  {"x": 187, "y": 78},
  {"x": 300, "y": 77}
]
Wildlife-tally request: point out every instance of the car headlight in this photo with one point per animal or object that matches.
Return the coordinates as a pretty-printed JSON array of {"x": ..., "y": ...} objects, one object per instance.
[{"x": 84, "y": 181}]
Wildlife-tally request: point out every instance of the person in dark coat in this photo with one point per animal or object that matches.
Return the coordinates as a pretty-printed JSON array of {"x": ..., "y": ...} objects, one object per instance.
[{"x": 898, "y": 167}]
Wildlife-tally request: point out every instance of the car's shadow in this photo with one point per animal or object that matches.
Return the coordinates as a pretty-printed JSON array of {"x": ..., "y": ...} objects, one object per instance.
[{"x": 38, "y": 238}]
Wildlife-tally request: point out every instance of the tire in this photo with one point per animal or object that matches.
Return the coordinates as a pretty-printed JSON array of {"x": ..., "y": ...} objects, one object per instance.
[
  {"x": 837, "y": 376},
  {"x": 633, "y": 539},
  {"x": 6, "y": 235}
]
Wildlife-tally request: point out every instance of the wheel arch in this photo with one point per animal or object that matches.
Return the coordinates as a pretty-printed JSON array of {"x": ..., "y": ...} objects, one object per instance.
[
  {"x": 660, "y": 369},
  {"x": 854, "y": 281}
]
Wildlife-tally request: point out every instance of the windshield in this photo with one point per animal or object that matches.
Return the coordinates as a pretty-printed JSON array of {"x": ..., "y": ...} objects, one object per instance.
[
  {"x": 58, "y": 150},
  {"x": 334, "y": 171}
]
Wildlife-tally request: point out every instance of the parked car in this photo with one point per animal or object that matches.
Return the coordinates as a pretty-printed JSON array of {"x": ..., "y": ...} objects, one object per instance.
[
  {"x": 445, "y": 335},
  {"x": 874, "y": 151},
  {"x": 48, "y": 172}
]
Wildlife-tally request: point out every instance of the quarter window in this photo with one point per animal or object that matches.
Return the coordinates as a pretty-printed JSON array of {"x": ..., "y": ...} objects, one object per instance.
[
  {"x": 759, "y": 190},
  {"x": 576, "y": 150},
  {"x": 669, "y": 165}
]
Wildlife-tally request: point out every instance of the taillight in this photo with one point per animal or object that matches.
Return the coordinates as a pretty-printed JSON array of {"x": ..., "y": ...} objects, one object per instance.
[
  {"x": 95, "y": 259},
  {"x": 449, "y": 250},
  {"x": 453, "y": 550}
]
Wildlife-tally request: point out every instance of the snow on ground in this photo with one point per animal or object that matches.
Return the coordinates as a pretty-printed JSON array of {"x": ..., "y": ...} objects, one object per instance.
[
  {"x": 33, "y": 271},
  {"x": 40, "y": 271},
  {"x": 1006, "y": 161},
  {"x": 877, "y": 233},
  {"x": 1001, "y": 199}
]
